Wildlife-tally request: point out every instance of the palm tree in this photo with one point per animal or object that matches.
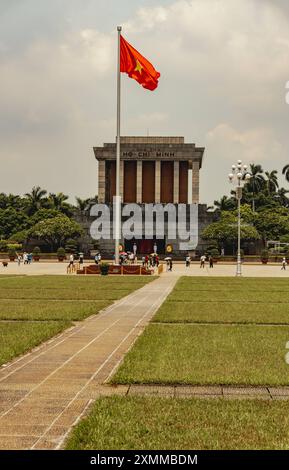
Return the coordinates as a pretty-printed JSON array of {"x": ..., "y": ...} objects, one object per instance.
[
  {"x": 256, "y": 183},
  {"x": 272, "y": 181},
  {"x": 281, "y": 197},
  {"x": 36, "y": 199},
  {"x": 225, "y": 204},
  {"x": 58, "y": 202},
  {"x": 84, "y": 205},
  {"x": 285, "y": 172}
]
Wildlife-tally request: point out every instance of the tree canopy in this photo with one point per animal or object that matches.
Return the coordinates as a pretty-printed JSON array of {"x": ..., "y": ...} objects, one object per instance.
[{"x": 56, "y": 231}]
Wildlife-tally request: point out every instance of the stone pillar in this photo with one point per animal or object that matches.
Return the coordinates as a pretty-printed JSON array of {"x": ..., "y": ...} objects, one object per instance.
[
  {"x": 190, "y": 182},
  {"x": 139, "y": 182},
  {"x": 195, "y": 183},
  {"x": 176, "y": 182},
  {"x": 101, "y": 181},
  {"x": 158, "y": 182},
  {"x": 121, "y": 169}
]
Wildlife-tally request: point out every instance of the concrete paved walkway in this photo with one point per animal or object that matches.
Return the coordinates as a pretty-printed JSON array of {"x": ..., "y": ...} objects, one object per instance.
[
  {"x": 43, "y": 394},
  {"x": 179, "y": 269},
  {"x": 209, "y": 391},
  {"x": 258, "y": 270}
]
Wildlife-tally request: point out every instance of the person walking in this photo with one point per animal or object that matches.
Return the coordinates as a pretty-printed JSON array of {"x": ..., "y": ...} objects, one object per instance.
[
  {"x": 211, "y": 261},
  {"x": 170, "y": 265},
  {"x": 19, "y": 259},
  {"x": 284, "y": 264},
  {"x": 203, "y": 261},
  {"x": 188, "y": 261}
]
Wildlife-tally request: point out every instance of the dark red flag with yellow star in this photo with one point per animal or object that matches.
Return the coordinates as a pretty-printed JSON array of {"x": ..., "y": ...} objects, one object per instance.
[{"x": 137, "y": 66}]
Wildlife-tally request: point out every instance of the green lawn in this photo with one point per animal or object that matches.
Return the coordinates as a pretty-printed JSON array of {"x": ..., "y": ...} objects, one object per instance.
[
  {"x": 162, "y": 423},
  {"x": 208, "y": 354},
  {"x": 209, "y": 331},
  {"x": 59, "y": 298},
  {"x": 49, "y": 310},
  {"x": 221, "y": 300},
  {"x": 225, "y": 312},
  {"x": 18, "y": 337},
  {"x": 192, "y": 283}
]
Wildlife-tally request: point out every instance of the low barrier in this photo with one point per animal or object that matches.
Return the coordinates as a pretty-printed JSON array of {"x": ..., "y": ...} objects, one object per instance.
[{"x": 120, "y": 270}]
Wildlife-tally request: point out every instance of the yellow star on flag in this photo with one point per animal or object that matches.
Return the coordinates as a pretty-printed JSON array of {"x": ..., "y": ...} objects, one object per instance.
[{"x": 138, "y": 67}]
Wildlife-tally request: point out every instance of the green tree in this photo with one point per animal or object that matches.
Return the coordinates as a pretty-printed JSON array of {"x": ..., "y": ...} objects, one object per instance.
[
  {"x": 272, "y": 181},
  {"x": 281, "y": 197},
  {"x": 226, "y": 229},
  {"x": 83, "y": 206},
  {"x": 225, "y": 204},
  {"x": 273, "y": 223},
  {"x": 59, "y": 202},
  {"x": 56, "y": 231},
  {"x": 36, "y": 200},
  {"x": 285, "y": 172},
  {"x": 11, "y": 221},
  {"x": 256, "y": 183},
  {"x": 43, "y": 214}
]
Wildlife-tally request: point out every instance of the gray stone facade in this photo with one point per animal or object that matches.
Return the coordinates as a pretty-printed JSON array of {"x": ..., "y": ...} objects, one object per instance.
[{"x": 156, "y": 150}]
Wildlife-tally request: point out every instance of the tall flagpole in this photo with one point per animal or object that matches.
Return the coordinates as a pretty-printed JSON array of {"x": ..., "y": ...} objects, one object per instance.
[{"x": 117, "y": 201}]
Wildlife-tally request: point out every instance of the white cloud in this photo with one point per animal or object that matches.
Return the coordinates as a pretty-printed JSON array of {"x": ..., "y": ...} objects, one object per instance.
[
  {"x": 258, "y": 145},
  {"x": 223, "y": 68}
]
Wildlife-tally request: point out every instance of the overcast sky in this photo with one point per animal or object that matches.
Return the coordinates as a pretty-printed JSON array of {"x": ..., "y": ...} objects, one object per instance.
[{"x": 224, "y": 65}]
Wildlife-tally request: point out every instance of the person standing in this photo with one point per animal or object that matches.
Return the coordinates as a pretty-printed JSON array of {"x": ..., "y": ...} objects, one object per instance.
[
  {"x": 81, "y": 257},
  {"x": 211, "y": 261},
  {"x": 188, "y": 261},
  {"x": 284, "y": 264},
  {"x": 170, "y": 264},
  {"x": 203, "y": 261},
  {"x": 134, "y": 249}
]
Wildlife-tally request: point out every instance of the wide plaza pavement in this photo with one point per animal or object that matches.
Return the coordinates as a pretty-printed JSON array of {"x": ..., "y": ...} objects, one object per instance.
[{"x": 179, "y": 269}]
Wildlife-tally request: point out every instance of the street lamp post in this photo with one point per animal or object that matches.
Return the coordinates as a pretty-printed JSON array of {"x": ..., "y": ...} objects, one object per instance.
[{"x": 238, "y": 177}]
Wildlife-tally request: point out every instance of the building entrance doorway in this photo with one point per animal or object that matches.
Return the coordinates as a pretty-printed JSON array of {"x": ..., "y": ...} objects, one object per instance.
[{"x": 145, "y": 246}]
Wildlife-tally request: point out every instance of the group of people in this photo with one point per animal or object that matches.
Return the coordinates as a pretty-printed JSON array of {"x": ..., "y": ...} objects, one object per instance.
[
  {"x": 127, "y": 258},
  {"x": 203, "y": 260},
  {"x": 97, "y": 258},
  {"x": 150, "y": 261},
  {"x": 26, "y": 258}
]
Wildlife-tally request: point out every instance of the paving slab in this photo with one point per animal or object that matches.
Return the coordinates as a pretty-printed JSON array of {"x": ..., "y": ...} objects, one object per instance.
[
  {"x": 198, "y": 390},
  {"x": 277, "y": 391},
  {"x": 151, "y": 390},
  {"x": 228, "y": 390},
  {"x": 78, "y": 362}
]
